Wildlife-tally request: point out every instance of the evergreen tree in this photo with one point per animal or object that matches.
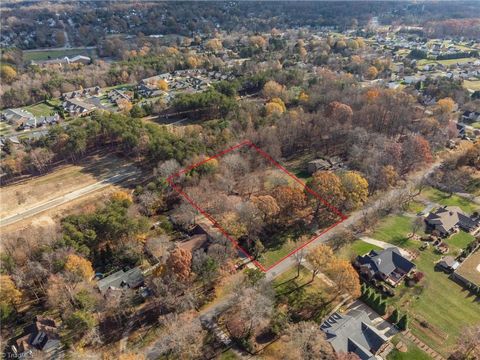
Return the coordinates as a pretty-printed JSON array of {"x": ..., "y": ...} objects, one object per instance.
[
  {"x": 395, "y": 316},
  {"x": 403, "y": 323}
]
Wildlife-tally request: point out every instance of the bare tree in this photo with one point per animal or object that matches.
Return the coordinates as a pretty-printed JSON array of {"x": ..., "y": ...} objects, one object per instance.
[
  {"x": 305, "y": 341},
  {"x": 182, "y": 337}
]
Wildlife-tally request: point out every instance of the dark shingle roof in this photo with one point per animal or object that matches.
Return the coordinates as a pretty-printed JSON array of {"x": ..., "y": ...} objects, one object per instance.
[{"x": 386, "y": 261}]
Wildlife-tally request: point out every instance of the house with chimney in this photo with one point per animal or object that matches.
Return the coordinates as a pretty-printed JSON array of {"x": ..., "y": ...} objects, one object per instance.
[{"x": 448, "y": 220}]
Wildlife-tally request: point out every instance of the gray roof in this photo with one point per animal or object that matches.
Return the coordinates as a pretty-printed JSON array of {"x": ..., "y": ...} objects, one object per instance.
[
  {"x": 447, "y": 218},
  {"x": 353, "y": 332},
  {"x": 121, "y": 279},
  {"x": 386, "y": 261}
]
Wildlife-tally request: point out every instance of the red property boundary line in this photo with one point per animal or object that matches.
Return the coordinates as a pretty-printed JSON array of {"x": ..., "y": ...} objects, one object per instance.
[{"x": 219, "y": 227}]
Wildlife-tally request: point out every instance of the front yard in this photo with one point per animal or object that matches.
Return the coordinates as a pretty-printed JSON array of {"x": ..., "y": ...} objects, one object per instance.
[{"x": 442, "y": 198}]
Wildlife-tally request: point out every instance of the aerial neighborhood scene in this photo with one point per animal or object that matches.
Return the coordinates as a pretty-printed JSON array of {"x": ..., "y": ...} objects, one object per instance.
[{"x": 273, "y": 180}]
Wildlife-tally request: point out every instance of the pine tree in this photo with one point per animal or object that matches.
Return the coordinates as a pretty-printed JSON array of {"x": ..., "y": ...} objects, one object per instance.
[
  {"x": 382, "y": 307},
  {"x": 403, "y": 323},
  {"x": 395, "y": 316}
]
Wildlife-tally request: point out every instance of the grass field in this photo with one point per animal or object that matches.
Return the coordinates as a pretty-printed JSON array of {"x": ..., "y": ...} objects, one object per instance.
[
  {"x": 55, "y": 54},
  {"x": 412, "y": 353},
  {"x": 5, "y": 128},
  {"x": 433, "y": 300},
  {"x": 447, "y": 62},
  {"x": 443, "y": 198},
  {"x": 288, "y": 280},
  {"x": 40, "y": 109},
  {"x": 472, "y": 85},
  {"x": 460, "y": 240},
  {"x": 358, "y": 247},
  {"x": 270, "y": 257},
  {"x": 394, "y": 230}
]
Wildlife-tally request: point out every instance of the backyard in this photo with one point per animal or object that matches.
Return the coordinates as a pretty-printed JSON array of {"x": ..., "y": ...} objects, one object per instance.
[{"x": 430, "y": 303}]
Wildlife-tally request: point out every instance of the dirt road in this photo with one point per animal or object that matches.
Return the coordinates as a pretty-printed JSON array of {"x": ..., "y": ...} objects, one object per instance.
[{"x": 47, "y": 205}]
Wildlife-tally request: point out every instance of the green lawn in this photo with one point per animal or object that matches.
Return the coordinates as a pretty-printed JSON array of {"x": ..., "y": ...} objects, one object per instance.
[
  {"x": 270, "y": 257},
  {"x": 55, "y": 54},
  {"x": 443, "y": 304},
  {"x": 460, "y": 240},
  {"x": 415, "y": 207},
  {"x": 443, "y": 198},
  {"x": 40, "y": 109},
  {"x": 227, "y": 355},
  {"x": 288, "y": 280},
  {"x": 447, "y": 62},
  {"x": 358, "y": 247},
  {"x": 394, "y": 230},
  {"x": 413, "y": 353},
  {"x": 472, "y": 85}
]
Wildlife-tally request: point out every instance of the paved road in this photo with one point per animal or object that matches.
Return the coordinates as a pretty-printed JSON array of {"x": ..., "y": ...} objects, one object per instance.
[
  {"x": 47, "y": 205},
  {"x": 208, "y": 315},
  {"x": 356, "y": 216}
]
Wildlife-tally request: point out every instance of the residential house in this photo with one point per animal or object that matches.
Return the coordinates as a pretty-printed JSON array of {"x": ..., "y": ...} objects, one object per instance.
[
  {"x": 354, "y": 333},
  {"x": 149, "y": 90},
  {"x": 39, "y": 122},
  {"x": 77, "y": 107},
  {"x": 198, "y": 241},
  {"x": 388, "y": 265},
  {"x": 41, "y": 336},
  {"x": 87, "y": 92},
  {"x": 450, "y": 219},
  {"x": 470, "y": 116},
  {"x": 119, "y": 280},
  {"x": 116, "y": 95},
  {"x": 324, "y": 164},
  {"x": 16, "y": 117},
  {"x": 448, "y": 263}
]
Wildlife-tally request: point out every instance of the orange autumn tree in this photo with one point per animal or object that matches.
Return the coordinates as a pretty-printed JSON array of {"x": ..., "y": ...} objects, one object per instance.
[
  {"x": 179, "y": 263},
  {"x": 346, "y": 279}
]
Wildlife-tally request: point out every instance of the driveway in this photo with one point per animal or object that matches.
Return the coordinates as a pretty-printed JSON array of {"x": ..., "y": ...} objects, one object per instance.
[{"x": 385, "y": 245}]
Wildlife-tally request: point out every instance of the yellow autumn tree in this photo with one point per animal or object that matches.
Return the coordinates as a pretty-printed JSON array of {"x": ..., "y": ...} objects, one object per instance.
[
  {"x": 346, "y": 279},
  {"x": 303, "y": 96},
  {"x": 162, "y": 84},
  {"x": 355, "y": 188},
  {"x": 214, "y": 45},
  {"x": 122, "y": 196},
  {"x": 193, "y": 62},
  {"x": 79, "y": 266},
  {"x": 124, "y": 105},
  {"x": 10, "y": 296},
  {"x": 372, "y": 72},
  {"x": 171, "y": 51},
  {"x": 8, "y": 73},
  {"x": 275, "y": 107},
  {"x": 257, "y": 41},
  {"x": 446, "y": 105}
]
